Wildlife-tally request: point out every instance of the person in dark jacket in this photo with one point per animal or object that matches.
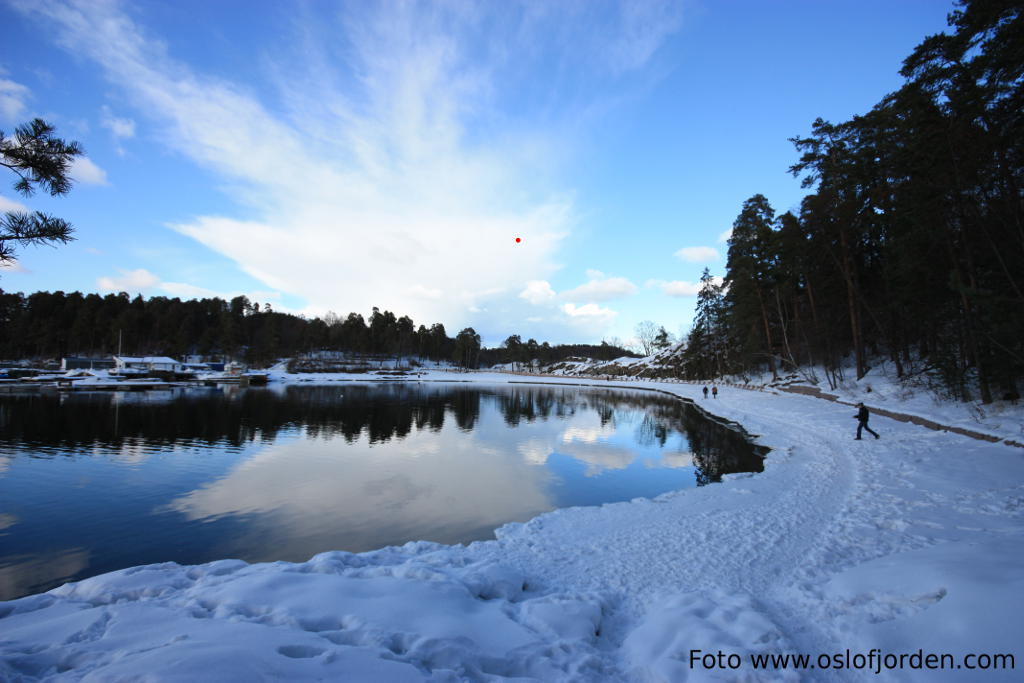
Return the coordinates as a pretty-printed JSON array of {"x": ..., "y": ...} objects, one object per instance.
[
  {"x": 862, "y": 421},
  {"x": 705, "y": 392}
]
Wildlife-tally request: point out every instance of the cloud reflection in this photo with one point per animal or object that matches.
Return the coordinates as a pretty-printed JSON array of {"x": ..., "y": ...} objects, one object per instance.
[
  {"x": 22, "y": 574},
  {"x": 314, "y": 494}
]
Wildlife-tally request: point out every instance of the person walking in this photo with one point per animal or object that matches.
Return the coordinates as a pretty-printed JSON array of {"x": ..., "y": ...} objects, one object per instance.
[
  {"x": 705, "y": 392},
  {"x": 714, "y": 391},
  {"x": 862, "y": 421}
]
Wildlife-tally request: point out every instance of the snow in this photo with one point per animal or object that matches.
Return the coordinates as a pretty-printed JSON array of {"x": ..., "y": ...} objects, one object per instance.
[{"x": 912, "y": 542}]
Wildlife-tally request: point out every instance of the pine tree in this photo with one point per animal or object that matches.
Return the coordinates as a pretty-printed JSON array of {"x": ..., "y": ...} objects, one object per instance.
[
  {"x": 749, "y": 275},
  {"x": 40, "y": 160}
]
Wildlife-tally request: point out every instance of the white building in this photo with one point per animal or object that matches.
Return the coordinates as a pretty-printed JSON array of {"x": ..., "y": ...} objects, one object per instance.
[{"x": 132, "y": 365}]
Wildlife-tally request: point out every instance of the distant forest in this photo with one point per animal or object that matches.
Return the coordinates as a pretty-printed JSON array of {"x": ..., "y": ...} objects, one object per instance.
[
  {"x": 54, "y": 325},
  {"x": 910, "y": 246}
]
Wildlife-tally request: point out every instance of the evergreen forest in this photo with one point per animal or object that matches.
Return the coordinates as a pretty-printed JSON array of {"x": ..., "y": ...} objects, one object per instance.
[
  {"x": 53, "y": 325},
  {"x": 910, "y": 245}
]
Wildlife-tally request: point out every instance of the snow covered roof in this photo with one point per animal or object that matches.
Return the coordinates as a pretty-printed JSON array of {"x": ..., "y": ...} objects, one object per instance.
[{"x": 146, "y": 359}]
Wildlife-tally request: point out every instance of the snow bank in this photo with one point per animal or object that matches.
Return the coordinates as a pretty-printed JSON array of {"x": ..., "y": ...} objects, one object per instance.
[{"x": 911, "y": 543}]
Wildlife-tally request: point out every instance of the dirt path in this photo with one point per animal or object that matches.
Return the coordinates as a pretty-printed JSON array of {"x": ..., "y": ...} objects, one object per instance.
[{"x": 903, "y": 417}]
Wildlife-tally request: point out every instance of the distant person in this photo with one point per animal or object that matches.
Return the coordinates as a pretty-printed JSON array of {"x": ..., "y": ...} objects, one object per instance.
[
  {"x": 714, "y": 391},
  {"x": 705, "y": 392},
  {"x": 862, "y": 421}
]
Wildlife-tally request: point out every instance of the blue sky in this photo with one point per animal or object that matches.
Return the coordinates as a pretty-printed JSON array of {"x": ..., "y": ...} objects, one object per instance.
[{"x": 343, "y": 155}]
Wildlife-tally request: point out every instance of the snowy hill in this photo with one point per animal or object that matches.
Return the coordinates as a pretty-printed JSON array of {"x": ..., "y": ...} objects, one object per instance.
[{"x": 663, "y": 364}]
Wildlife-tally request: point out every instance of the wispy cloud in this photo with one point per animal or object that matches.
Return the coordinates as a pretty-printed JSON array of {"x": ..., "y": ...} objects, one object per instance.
[
  {"x": 12, "y": 100},
  {"x": 142, "y": 281},
  {"x": 120, "y": 128},
  {"x": 133, "y": 281},
  {"x": 600, "y": 288},
  {"x": 698, "y": 254},
  {"x": 11, "y": 205},
  {"x": 645, "y": 26},
  {"x": 680, "y": 288},
  {"x": 379, "y": 169},
  {"x": 84, "y": 170}
]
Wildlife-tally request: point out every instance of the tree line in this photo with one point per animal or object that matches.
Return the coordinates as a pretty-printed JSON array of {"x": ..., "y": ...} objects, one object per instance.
[
  {"x": 910, "y": 245},
  {"x": 46, "y": 325}
]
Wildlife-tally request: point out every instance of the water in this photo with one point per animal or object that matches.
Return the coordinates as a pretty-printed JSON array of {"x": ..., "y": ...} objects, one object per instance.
[{"x": 91, "y": 482}]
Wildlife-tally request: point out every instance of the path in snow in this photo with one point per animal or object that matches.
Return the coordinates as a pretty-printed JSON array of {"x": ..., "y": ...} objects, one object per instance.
[{"x": 902, "y": 417}]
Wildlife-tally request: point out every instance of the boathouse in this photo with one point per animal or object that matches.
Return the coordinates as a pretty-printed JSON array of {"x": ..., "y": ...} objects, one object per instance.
[
  {"x": 72, "y": 363},
  {"x": 132, "y": 365}
]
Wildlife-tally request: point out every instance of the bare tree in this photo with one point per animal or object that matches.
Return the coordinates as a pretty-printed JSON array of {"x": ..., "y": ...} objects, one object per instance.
[{"x": 646, "y": 332}]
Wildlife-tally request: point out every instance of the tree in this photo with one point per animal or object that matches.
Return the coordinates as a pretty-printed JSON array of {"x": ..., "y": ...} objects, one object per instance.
[
  {"x": 750, "y": 271},
  {"x": 662, "y": 340},
  {"x": 40, "y": 160},
  {"x": 707, "y": 346},
  {"x": 514, "y": 346},
  {"x": 909, "y": 245},
  {"x": 467, "y": 348},
  {"x": 646, "y": 332}
]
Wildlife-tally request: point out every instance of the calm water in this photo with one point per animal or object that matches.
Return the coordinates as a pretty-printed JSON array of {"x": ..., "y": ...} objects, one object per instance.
[{"x": 91, "y": 482}]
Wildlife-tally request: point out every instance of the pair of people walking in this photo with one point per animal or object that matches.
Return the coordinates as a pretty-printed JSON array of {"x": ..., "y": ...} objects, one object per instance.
[
  {"x": 714, "y": 391},
  {"x": 862, "y": 421}
]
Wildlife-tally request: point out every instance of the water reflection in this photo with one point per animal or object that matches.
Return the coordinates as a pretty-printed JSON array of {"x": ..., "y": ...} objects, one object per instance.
[
  {"x": 385, "y": 494},
  {"x": 94, "y": 481}
]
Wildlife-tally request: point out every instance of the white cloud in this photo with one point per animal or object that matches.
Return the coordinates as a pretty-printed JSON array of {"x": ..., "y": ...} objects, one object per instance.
[
  {"x": 12, "y": 100},
  {"x": 421, "y": 292},
  {"x": 138, "y": 280},
  {"x": 538, "y": 292},
  {"x": 698, "y": 254},
  {"x": 368, "y": 187},
  {"x": 725, "y": 236},
  {"x": 10, "y": 205},
  {"x": 13, "y": 267},
  {"x": 122, "y": 128},
  {"x": 680, "y": 288},
  {"x": 600, "y": 288},
  {"x": 84, "y": 171},
  {"x": 183, "y": 290},
  {"x": 142, "y": 281},
  {"x": 645, "y": 26},
  {"x": 590, "y": 313}
]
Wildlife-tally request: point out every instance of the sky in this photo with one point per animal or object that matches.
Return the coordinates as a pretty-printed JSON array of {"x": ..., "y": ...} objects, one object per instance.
[{"x": 335, "y": 156}]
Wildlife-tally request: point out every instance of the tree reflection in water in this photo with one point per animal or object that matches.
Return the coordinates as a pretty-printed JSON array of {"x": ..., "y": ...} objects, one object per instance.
[
  {"x": 378, "y": 412},
  {"x": 93, "y": 482}
]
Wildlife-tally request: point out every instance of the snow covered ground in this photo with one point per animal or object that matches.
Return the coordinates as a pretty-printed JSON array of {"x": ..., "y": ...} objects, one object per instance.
[
  {"x": 879, "y": 388},
  {"x": 851, "y": 552}
]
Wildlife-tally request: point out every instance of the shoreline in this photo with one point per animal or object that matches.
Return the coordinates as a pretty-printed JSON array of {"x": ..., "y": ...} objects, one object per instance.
[{"x": 837, "y": 544}]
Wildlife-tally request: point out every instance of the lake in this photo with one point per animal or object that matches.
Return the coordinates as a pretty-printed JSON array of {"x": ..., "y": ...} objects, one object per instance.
[{"x": 95, "y": 481}]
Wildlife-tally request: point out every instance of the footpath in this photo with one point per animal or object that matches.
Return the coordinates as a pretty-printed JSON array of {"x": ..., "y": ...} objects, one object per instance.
[
  {"x": 796, "y": 389},
  {"x": 902, "y": 417}
]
